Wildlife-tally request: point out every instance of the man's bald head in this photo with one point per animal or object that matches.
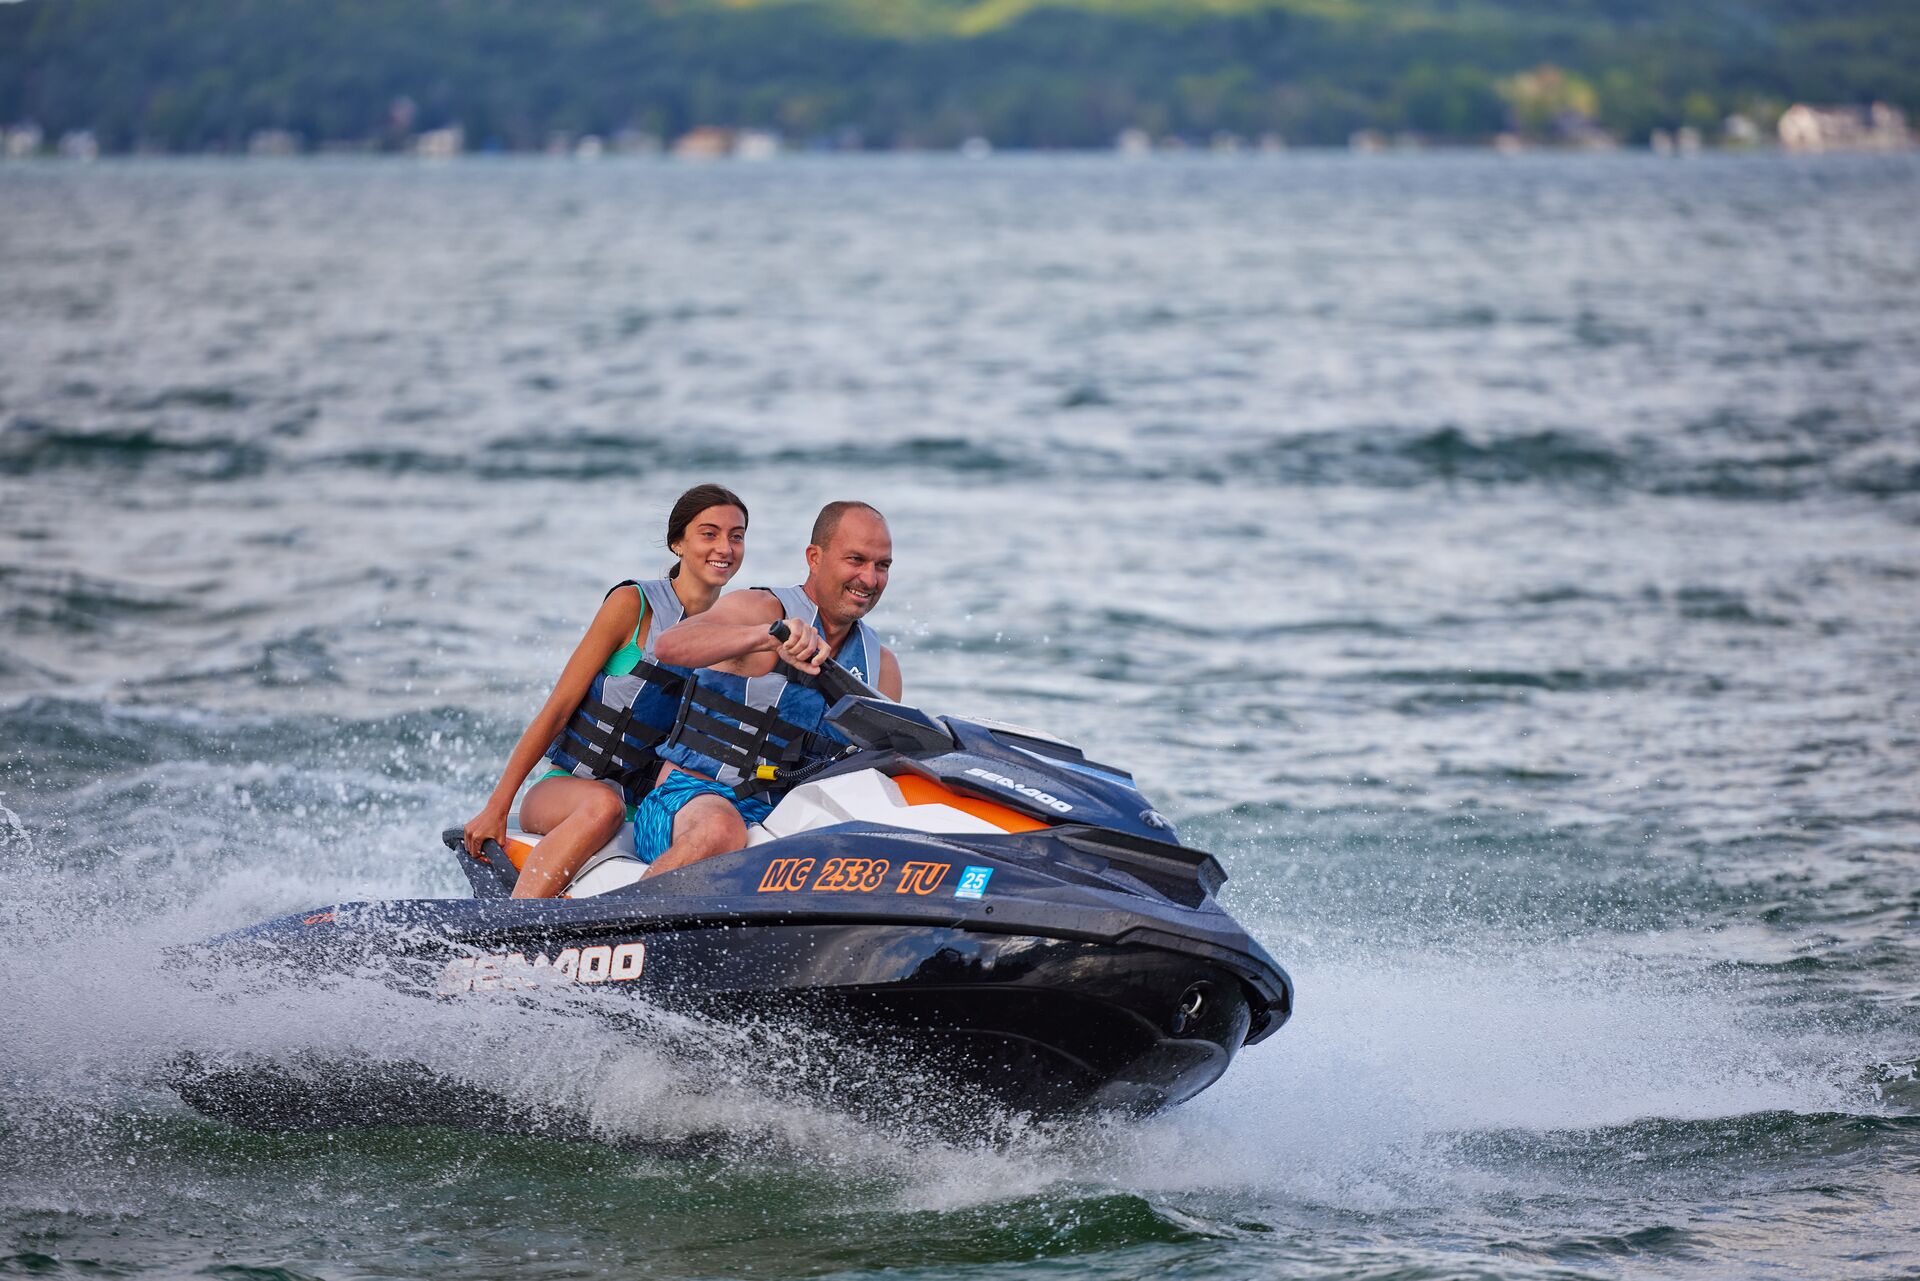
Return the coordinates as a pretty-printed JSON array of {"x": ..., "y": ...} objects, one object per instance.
[{"x": 827, "y": 523}]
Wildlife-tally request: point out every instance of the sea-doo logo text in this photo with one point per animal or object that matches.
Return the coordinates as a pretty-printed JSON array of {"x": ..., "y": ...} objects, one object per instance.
[
  {"x": 1053, "y": 803},
  {"x": 514, "y": 972}
]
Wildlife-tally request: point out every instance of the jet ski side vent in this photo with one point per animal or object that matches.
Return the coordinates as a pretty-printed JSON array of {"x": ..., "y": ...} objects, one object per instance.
[
  {"x": 1054, "y": 749},
  {"x": 1188, "y": 877}
]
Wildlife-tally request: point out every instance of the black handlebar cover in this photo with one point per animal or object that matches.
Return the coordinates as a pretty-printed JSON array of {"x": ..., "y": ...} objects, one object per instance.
[{"x": 834, "y": 681}]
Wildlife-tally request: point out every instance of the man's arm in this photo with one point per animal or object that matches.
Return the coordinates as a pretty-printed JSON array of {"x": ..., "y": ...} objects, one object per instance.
[
  {"x": 889, "y": 674},
  {"x": 735, "y": 629}
]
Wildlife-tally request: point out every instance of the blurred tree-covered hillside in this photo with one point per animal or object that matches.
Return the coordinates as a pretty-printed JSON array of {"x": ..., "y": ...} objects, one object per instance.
[{"x": 197, "y": 74}]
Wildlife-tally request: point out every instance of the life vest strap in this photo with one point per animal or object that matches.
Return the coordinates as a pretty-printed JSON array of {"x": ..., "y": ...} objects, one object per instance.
[
  {"x": 613, "y": 738},
  {"x": 614, "y": 743},
  {"x": 622, "y": 743},
  {"x": 738, "y": 735}
]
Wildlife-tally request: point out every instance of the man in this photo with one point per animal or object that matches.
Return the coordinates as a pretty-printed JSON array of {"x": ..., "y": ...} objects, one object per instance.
[{"x": 849, "y": 557}]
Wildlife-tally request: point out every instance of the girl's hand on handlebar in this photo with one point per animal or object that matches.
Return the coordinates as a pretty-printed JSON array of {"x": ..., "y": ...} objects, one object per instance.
[
  {"x": 489, "y": 824},
  {"x": 804, "y": 649}
]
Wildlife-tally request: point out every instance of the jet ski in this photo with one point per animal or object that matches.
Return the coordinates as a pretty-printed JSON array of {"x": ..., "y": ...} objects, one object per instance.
[{"x": 979, "y": 899}]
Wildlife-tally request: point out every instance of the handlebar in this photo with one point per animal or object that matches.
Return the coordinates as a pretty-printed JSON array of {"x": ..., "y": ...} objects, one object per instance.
[{"x": 834, "y": 681}]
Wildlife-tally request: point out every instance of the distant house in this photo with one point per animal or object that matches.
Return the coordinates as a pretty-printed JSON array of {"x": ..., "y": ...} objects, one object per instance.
[
  {"x": 1740, "y": 131},
  {"x": 704, "y": 142},
  {"x": 1878, "y": 128},
  {"x": 24, "y": 140},
  {"x": 756, "y": 144},
  {"x": 441, "y": 144},
  {"x": 1888, "y": 125}
]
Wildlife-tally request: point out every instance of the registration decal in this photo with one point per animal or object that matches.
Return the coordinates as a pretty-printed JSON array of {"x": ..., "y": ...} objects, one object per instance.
[
  {"x": 851, "y": 875},
  {"x": 784, "y": 875},
  {"x": 973, "y": 882},
  {"x": 921, "y": 878}
]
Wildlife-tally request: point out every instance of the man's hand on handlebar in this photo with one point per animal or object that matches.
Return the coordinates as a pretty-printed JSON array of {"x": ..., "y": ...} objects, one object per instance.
[{"x": 803, "y": 648}]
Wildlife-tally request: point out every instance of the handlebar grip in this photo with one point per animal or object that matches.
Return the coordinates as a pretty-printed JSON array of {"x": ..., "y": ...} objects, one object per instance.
[
  {"x": 834, "y": 679},
  {"x": 501, "y": 864}
]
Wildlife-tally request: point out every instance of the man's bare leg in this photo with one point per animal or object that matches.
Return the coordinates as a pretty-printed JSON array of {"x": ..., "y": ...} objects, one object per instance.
[{"x": 705, "y": 826}]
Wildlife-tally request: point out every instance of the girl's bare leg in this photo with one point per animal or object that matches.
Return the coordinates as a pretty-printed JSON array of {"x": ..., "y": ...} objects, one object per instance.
[{"x": 577, "y": 817}]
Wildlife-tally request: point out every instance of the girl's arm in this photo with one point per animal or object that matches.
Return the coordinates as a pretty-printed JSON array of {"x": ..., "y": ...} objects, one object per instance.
[{"x": 608, "y": 632}]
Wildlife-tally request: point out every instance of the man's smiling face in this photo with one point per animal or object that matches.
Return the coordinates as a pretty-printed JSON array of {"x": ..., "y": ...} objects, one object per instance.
[{"x": 850, "y": 572}]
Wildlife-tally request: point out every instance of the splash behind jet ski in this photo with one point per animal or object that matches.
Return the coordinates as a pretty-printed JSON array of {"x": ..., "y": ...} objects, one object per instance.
[{"x": 978, "y": 899}]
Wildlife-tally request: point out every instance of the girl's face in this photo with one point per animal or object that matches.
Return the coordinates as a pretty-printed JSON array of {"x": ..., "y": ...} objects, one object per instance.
[{"x": 715, "y": 543}]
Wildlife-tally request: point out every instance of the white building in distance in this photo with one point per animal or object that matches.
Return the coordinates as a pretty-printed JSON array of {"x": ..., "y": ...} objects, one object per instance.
[{"x": 1879, "y": 128}]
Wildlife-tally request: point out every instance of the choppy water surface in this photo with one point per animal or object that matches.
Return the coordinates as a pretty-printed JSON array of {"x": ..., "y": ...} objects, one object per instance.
[{"x": 1512, "y": 570}]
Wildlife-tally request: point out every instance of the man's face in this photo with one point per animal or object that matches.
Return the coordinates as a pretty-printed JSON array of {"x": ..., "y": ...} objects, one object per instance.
[{"x": 850, "y": 573}]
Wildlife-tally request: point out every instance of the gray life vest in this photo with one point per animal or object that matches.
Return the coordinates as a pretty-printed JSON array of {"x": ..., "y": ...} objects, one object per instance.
[
  {"x": 782, "y": 705},
  {"x": 613, "y": 732}
]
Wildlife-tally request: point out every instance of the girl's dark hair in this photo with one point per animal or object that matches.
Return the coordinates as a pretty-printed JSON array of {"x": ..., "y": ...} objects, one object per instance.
[{"x": 691, "y": 504}]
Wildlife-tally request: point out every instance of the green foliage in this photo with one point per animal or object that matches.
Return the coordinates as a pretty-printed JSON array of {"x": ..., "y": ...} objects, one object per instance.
[{"x": 197, "y": 74}]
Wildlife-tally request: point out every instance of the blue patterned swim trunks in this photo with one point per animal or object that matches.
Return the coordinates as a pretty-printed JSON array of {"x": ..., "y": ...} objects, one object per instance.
[{"x": 653, "y": 820}]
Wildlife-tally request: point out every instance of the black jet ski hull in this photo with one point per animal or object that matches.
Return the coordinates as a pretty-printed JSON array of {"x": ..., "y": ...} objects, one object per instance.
[
  {"x": 1028, "y": 1021},
  {"x": 1020, "y": 1021},
  {"x": 1076, "y": 966}
]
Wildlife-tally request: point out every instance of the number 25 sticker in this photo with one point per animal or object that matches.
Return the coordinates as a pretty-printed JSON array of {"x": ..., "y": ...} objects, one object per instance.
[{"x": 973, "y": 882}]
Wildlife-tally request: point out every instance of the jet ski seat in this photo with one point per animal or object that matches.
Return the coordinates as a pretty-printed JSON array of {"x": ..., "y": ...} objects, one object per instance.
[
  {"x": 865, "y": 796},
  {"x": 613, "y": 865}
]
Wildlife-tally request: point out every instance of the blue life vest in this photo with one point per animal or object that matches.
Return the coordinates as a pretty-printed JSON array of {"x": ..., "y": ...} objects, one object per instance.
[
  {"x": 613, "y": 732},
  {"x": 734, "y": 721}
]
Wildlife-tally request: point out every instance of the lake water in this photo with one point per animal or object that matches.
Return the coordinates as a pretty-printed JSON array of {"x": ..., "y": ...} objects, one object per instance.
[{"x": 1509, "y": 567}]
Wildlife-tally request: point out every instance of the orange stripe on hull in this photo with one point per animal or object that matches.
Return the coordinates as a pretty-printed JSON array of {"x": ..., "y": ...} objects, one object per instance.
[{"x": 924, "y": 791}]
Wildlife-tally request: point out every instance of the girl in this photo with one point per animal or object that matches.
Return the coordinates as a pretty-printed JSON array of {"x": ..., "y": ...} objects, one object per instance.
[{"x": 707, "y": 530}]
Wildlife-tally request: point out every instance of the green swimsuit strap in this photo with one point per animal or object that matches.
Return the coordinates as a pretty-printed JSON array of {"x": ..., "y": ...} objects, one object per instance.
[{"x": 628, "y": 656}]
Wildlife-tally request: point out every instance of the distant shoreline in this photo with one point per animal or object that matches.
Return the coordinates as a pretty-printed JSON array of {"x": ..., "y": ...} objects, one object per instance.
[{"x": 876, "y": 156}]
